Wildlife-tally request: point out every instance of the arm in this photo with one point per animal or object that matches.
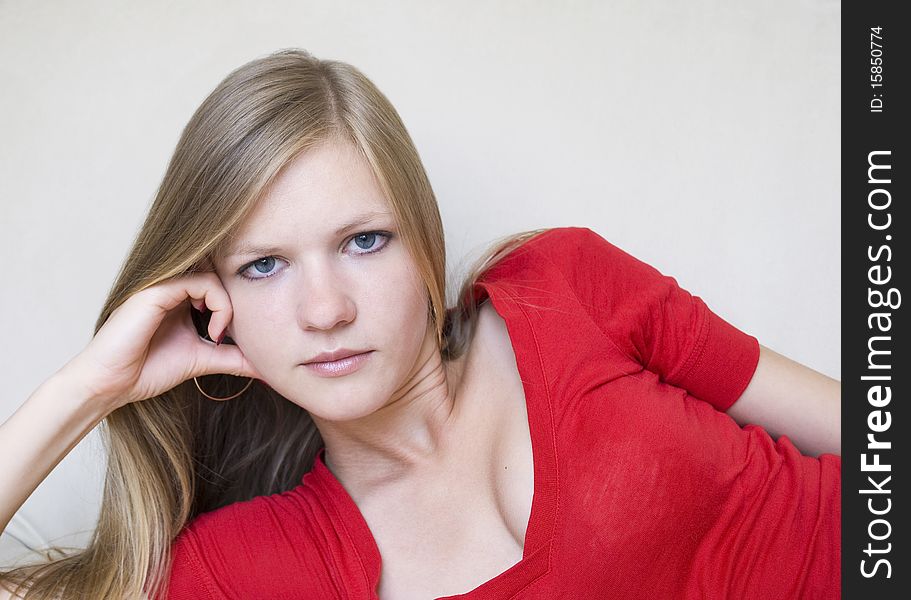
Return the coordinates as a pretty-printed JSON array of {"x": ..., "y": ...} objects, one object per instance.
[
  {"x": 147, "y": 345},
  {"x": 787, "y": 398},
  {"x": 673, "y": 333},
  {"x": 44, "y": 429},
  {"x": 57, "y": 415},
  {"x": 651, "y": 319}
]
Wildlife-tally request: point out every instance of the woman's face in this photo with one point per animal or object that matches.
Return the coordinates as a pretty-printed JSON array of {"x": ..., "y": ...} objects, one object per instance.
[{"x": 300, "y": 286}]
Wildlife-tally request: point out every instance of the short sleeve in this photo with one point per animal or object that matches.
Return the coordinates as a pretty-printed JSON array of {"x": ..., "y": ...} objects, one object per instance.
[
  {"x": 188, "y": 579},
  {"x": 652, "y": 319}
]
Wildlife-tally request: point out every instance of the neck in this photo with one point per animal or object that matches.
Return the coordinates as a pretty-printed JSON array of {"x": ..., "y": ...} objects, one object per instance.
[{"x": 412, "y": 431}]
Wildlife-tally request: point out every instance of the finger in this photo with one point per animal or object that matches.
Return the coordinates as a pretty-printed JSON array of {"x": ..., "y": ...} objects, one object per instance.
[
  {"x": 216, "y": 299},
  {"x": 226, "y": 359},
  {"x": 140, "y": 315},
  {"x": 205, "y": 291}
]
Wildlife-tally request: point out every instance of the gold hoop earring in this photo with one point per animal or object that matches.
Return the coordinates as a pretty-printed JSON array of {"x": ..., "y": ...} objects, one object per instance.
[{"x": 249, "y": 383}]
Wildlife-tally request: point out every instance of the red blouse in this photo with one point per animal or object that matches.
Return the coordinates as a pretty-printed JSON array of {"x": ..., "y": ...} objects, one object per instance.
[{"x": 643, "y": 486}]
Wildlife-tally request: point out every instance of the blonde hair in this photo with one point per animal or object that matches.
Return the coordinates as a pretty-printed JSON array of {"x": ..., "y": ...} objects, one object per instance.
[{"x": 177, "y": 455}]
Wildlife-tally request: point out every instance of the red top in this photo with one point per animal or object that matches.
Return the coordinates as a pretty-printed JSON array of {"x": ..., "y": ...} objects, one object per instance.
[{"x": 643, "y": 487}]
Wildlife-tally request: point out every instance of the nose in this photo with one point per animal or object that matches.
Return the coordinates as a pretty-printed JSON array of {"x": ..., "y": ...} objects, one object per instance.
[{"x": 324, "y": 301}]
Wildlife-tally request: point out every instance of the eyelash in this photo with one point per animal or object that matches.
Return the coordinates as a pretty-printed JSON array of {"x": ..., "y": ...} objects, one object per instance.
[{"x": 385, "y": 234}]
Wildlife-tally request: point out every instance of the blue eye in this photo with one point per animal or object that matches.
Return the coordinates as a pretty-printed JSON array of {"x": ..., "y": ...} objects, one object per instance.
[
  {"x": 370, "y": 236},
  {"x": 263, "y": 266},
  {"x": 366, "y": 241}
]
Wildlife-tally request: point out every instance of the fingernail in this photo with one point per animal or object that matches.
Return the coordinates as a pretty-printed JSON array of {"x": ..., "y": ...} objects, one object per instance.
[{"x": 220, "y": 338}]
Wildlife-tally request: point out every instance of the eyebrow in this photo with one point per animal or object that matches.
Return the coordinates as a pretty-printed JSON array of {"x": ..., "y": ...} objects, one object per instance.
[{"x": 245, "y": 248}]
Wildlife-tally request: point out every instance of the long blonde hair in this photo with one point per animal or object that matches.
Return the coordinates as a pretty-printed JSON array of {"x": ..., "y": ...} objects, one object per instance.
[{"x": 177, "y": 455}]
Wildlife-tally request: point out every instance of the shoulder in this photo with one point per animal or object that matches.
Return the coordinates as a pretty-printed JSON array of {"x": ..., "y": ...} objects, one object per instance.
[
  {"x": 570, "y": 253},
  {"x": 574, "y": 262},
  {"x": 576, "y": 248},
  {"x": 532, "y": 257},
  {"x": 238, "y": 527},
  {"x": 189, "y": 577},
  {"x": 217, "y": 551},
  {"x": 205, "y": 551},
  {"x": 267, "y": 545},
  {"x": 556, "y": 240}
]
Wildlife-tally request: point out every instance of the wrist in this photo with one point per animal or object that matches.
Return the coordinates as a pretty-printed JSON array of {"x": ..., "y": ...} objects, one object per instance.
[{"x": 72, "y": 381}]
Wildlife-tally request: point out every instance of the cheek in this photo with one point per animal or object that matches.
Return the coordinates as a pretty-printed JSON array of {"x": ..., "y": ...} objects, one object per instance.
[
  {"x": 254, "y": 328},
  {"x": 407, "y": 320},
  {"x": 402, "y": 295}
]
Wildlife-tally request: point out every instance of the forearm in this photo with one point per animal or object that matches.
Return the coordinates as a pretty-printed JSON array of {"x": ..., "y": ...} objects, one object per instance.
[
  {"x": 48, "y": 425},
  {"x": 787, "y": 398}
]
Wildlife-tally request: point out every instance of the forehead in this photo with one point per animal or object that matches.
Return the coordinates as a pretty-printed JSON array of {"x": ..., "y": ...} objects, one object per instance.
[{"x": 322, "y": 189}]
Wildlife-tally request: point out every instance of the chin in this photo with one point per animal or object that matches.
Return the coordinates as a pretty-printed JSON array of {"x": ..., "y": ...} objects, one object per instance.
[
  {"x": 334, "y": 405},
  {"x": 343, "y": 414}
]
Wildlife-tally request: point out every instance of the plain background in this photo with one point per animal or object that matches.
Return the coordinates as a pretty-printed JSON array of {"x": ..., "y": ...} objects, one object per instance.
[{"x": 701, "y": 137}]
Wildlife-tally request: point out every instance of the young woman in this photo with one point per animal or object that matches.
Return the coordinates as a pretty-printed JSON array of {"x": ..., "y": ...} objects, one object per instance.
[{"x": 576, "y": 426}]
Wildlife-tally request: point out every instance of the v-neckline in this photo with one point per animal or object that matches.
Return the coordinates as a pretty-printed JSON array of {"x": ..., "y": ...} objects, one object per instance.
[{"x": 535, "y": 560}]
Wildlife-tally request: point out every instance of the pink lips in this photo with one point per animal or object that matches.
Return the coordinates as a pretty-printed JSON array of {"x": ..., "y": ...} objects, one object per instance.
[
  {"x": 334, "y": 355},
  {"x": 341, "y": 366}
]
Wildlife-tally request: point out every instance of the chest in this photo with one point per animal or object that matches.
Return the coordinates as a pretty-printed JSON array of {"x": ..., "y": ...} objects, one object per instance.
[{"x": 452, "y": 534}]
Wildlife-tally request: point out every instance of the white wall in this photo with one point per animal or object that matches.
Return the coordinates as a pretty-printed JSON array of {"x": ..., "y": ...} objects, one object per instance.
[{"x": 703, "y": 137}]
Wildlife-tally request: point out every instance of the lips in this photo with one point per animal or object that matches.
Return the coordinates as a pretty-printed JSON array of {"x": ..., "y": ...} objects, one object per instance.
[{"x": 334, "y": 355}]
